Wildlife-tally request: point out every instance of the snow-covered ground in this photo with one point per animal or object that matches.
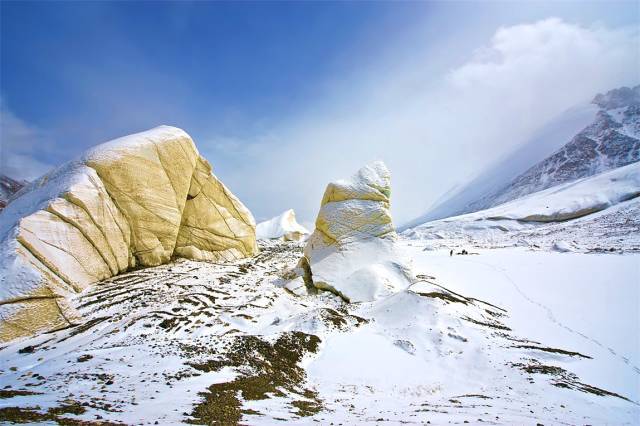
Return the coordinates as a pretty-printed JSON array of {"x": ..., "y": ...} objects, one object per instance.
[
  {"x": 520, "y": 337},
  {"x": 588, "y": 303}
]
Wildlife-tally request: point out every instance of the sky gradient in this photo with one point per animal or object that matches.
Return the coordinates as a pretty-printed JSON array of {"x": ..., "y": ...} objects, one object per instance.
[{"x": 282, "y": 97}]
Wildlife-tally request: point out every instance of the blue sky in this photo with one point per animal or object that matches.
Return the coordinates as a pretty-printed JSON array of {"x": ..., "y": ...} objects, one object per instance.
[
  {"x": 231, "y": 67},
  {"x": 282, "y": 97}
]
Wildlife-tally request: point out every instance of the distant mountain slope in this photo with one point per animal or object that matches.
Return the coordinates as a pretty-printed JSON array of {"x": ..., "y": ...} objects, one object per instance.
[
  {"x": 8, "y": 187},
  {"x": 611, "y": 141},
  {"x": 592, "y": 212},
  {"x": 603, "y": 136}
]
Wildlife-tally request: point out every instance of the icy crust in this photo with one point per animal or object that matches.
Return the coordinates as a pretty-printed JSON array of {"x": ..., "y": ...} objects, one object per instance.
[
  {"x": 352, "y": 250},
  {"x": 132, "y": 144},
  {"x": 372, "y": 182},
  {"x": 282, "y": 226},
  {"x": 135, "y": 201}
]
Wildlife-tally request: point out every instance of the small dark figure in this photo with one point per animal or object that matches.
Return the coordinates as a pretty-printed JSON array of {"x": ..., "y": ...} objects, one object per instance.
[{"x": 451, "y": 253}]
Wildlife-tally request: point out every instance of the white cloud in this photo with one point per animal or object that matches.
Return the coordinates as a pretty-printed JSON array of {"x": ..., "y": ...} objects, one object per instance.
[
  {"x": 528, "y": 49},
  {"x": 436, "y": 130},
  {"x": 552, "y": 58},
  {"x": 19, "y": 145}
]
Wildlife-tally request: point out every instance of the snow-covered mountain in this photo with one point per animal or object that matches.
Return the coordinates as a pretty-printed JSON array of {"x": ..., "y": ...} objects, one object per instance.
[
  {"x": 611, "y": 141},
  {"x": 595, "y": 213},
  {"x": 608, "y": 136},
  {"x": 8, "y": 187}
]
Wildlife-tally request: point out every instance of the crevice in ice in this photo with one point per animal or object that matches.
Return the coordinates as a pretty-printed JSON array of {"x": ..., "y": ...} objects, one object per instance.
[
  {"x": 89, "y": 273},
  {"x": 25, "y": 244},
  {"x": 127, "y": 236},
  {"x": 164, "y": 169},
  {"x": 95, "y": 223},
  {"x": 86, "y": 237},
  {"x": 28, "y": 299}
]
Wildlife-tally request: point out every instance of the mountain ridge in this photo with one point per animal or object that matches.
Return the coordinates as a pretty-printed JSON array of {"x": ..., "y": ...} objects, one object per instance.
[
  {"x": 610, "y": 140},
  {"x": 8, "y": 187}
]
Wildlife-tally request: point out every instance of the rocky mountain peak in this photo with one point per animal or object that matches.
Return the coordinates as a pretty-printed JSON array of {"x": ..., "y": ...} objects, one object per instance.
[
  {"x": 8, "y": 187},
  {"x": 618, "y": 98}
]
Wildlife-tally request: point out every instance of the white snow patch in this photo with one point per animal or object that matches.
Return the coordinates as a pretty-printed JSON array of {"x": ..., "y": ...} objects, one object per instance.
[{"x": 282, "y": 226}]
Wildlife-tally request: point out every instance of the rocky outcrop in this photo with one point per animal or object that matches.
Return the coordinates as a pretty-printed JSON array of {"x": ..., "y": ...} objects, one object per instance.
[
  {"x": 583, "y": 141},
  {"x": 135, "y": 201},
  {"x": 8, "y": 187},
  {"x": 351, "y": 252},
  {"x": 283, "y": 226},
  {"x": 612, "y": 140}
]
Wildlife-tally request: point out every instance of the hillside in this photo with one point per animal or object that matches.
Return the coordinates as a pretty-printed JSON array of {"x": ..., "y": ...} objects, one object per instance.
[
  {"x": 201, "y": 343},
  {"x": 603, "y": 136},
  {"x": 597, "y": 213}
]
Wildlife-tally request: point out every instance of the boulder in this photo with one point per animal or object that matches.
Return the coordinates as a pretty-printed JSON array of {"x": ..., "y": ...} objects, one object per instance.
[
  {"x": 283, "y": 226},
  {"x": 138, "y": 201},
  {"x": 352, "y": 250},
  {"x": 562, "y": 247}
]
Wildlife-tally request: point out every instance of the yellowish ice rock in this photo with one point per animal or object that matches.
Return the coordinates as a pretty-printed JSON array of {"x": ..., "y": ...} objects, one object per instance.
[
  {"x": 355, "y": 210},
  {"x": 352, "y": 250},
  {"x": 215, "y": 224},
  {"x": 140, "y": 200}
]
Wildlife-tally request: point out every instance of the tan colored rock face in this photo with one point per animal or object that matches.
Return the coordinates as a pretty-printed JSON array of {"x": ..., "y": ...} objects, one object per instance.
[
  {"x": 356, "y": 209},
  {"x": 351, "y": 252},
  {"x": 149, "y": 183},
  {"x": 215, "y": 224},
  {"x": 139, "y": 200}
]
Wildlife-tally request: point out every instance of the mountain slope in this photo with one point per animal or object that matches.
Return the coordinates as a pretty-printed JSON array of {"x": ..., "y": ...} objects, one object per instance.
[
  {"x": 603, "y": 136},
  {"x": 596, "y": 213},
  {"x": 611, "y": 141}
]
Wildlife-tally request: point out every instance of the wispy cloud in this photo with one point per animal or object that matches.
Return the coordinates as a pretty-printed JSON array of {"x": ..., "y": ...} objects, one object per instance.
[{"x": 20, "y": 143}]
